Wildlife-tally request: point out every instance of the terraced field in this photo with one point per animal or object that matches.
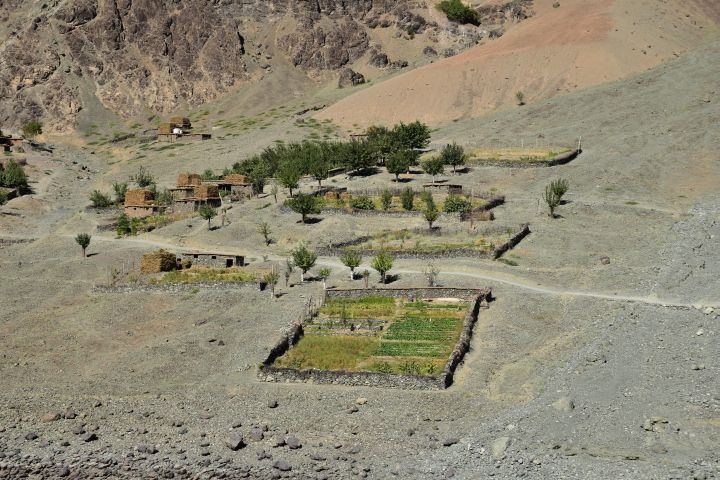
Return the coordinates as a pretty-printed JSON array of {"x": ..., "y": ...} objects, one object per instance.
[{"x": 380, "y": 334}]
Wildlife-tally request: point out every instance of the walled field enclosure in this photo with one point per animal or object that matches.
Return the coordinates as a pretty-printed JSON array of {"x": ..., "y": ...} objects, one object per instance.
[
  {"x": 490, "y": 242},
  {"x": 405, "y": 338},
  {"x": 522, "y": 157}
]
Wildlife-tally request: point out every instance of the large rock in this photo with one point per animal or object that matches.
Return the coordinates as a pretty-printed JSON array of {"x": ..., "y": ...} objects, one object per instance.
[
  {"x": 499, "y": 446},
  {"x": 350, "y": 78}
]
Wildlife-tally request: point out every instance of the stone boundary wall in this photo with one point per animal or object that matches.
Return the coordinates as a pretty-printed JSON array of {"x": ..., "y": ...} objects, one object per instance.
[
  {"x": 173, "y": 287},
  {"x": 16, "y": 241},
  {"x": 561, "y": 159},
  {"x": 339, "y": 248},
  {"x": 478, "y": 297}
]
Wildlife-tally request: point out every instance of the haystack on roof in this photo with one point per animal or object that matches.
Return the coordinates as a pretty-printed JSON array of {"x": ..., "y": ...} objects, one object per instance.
[
  {"x": 158, "y": 261},
  {"x": 166, "y": 128},
  {"x": 203, "y": 192},
  {"x": 138, "y": 197},
  {"x": 183, "y": 122},
  {"x": 188, "y": 179},
  {"x": 235, "y": 179}
]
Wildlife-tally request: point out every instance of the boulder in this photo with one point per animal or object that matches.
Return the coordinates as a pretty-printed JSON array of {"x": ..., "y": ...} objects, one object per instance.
[{"x": 350, "y": 78}]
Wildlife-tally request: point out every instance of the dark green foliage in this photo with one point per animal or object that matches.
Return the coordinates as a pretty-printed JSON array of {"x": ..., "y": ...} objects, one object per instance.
[
  {"x": 32, "y": 129},
  {"x": 457, "y": 204},
  {"x": 207, "y": 175},
  {"x": 123, "y": 225},
  {"x": 386, "y": 199},
  {"x": 120, "y": 189},
  {"x": 207, "y": 212},
  {"x": 14, "y": 177},
  {"x": 431, "y": 214},
  {"x": 99, "y": 199},
  {"x": 457, "y": 11},
  {"x": 433, "y": 166},
  {"x": 400, "y": 162},
  {"x": 407, "y": 199},
  {"x": 553, "y": 194},
  {"x": 289, "y": 175},
  {"x": 304, "y": 204},
  {"x": 453, "y": 155},
  {"x": 164, "y": 197},
  {"x": 3, "y": 198},
  {"x": 415, "y": 135},
  {"x": 428, "y": 199},
  {"x": 362, "y": 202},
  {"x": 83, "y": 239}
]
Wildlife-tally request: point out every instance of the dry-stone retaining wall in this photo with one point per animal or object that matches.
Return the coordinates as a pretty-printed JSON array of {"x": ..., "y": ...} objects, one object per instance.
[
  {"x": 339, "y": 248},
  {"x": 173, "y": 287},
  {"x": 478, "y": 297}
]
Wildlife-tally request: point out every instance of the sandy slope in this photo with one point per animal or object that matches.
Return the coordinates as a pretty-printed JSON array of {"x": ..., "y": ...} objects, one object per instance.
[{"x": 580, "y": 44}]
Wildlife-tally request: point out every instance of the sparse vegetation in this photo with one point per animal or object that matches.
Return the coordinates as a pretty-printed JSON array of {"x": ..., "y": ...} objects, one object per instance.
[
  {"x": 207, "y": 212},
  {"x": 32, "y": 129},
  {"x": 265, "y": 231},
  {"x": 83, "y": 239},
  {"x": 99, "y": 200},
  {"x": 553, "y": 195},
  {"x": 457, "y": 11}
]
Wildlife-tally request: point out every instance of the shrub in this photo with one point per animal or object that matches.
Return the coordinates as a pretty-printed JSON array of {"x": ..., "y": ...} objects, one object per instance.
[
  {"x": 123, "y": 225},
  {"x": 457, "y": 11},
  {"x": 32, "y": 129},
  {"x": 386, "y": 199},
  {"x": 363, "y": 202},
  {"x": 120, "y": 189},
  {"x": 407, "y": 198},
  {"x": 14, "y": 176},
  {"x": 457, "y": 204},
  {"x": 553, "y": 195},
  {"x": 520, "y": 96},
  {"x": 431, "y": 214},
  {"x": 3, "y": 198},
  {"x": 99, "y": 199},
  {"x": 143, "y": 178},
  {"x": 428, "y": 199}
]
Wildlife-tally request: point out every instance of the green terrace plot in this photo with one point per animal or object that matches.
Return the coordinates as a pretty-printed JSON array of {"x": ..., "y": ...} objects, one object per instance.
[
  {"x": 379, "y": 334},
  {"x": 429, "y": 241}
]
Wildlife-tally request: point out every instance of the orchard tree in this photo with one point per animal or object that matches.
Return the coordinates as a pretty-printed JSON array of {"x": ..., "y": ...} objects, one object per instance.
[
  {"x": 207, "y": 212},
  {"x": 382, "y": 262},
  {"x": 304, "y": 259},
  {"x": 265, "y": 231},
  {"x": 433, "y": 166},
  {"x": 431, "y": 214},
  {"x": 289, "y": 176},
  {"x": 454, "y": 155},
  {"x": 83, "y": 239},
  {"x": 324, "y": 274},
  {"x": 352, "y": 260},
  {"x": 304, "y": 204},
  {"x": 400, "y": 162},
  {"x": 271, "y": 279}
]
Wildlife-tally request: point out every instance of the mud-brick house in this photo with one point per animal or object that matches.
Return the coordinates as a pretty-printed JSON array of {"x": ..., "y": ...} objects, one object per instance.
[
  {"x": 234, "y": 185},
  {"x": 203, "y": 194},
  {"x": 140, "y": 203},
  {"x": 185, "y": 186},
  {"x": 214, "y": 259}
]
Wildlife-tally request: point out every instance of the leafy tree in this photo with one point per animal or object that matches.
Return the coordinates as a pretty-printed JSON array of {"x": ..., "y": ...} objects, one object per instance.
[
  {"x": 427, "y": 197},
  {"x": 431, "y": 214},
  {"x": 264, "y": 230},
  {"x": 123, "y": 225},
  {"x": 362, "y": 202},
  {"x": 289, "y": 176},
  {"x": 324, "y": 274},
  {"x": 164, "y": 197},
  {"x": 382, "y": 262},
  {"x": 271, "y": 279},
  {"x": 433, "y": 166},
  {"x": 207, "y": 212},
  {"x": 380, "y": 142},
  {"x": 143, "y": 178},
  {"x": 120, "y": 189},
  {"x": 99, "y": 199},
  {"x": 318, "y": 167},
  {"x": 83, "y": 239},
  {"x": 411, "y": 136},
  {"x": 352, "y": 260},
  {"x": 207, "y": 175},
  {"x": 457, "y": 11},
  {"x": 386, "y": 199},
  {"x": 356, "y": 156},
  {"x": 553, "y": 195},
  {"x": 399, "y": 162},
  {"x": 304, "y": 259},
  {"x": 407, "y": 198},
  {"x": 453, "y": 154},
  {"x": 14, "y": 177},
  {"x": 304, "y": 204},
  {"x": 457, "y": 204},
  {"x": 274, "y": 190},
  {"x": 32, "y": 129}
]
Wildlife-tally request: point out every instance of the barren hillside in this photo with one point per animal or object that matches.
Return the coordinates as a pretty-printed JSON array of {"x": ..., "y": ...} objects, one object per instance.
[{"x": 578, "y": 44}]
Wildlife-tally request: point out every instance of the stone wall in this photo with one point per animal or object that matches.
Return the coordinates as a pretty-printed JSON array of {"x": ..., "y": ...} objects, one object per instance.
[
  {"x": 339, "y": 248},
  {"x": 561, "y": 159},
  {"x": 478, "y": 296},
  {"x": 173, "y": 287}
]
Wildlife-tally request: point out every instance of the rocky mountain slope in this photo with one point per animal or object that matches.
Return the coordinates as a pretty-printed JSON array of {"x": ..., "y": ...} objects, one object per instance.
[{"x": 147, "y": 57}]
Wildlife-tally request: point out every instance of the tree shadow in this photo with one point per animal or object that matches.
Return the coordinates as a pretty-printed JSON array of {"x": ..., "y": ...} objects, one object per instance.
[
  {"x": 92, "y": 254},
  {"x": 402, "y": 180},
  {"x": 311, "y": 220},
  {"x": 365, "y": 172},
  {"x": 391, "y": 278}
]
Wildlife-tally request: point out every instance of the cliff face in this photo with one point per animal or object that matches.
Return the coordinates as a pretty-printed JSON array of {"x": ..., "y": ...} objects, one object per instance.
[{"x": 154, "y": 55}]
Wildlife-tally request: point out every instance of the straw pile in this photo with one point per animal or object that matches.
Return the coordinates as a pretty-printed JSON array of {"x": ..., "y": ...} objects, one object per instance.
[
  {"x": 236, "y": 179},
  {"x": 204, "y": 192},
  {"x": 188, "y": 179},
  {"x": 138, "y": 196},
  {"x": 166, "y": 128},
  {"x": 182, "y": 122},
  {"x": 158, "y": 261},
  {"x": 331, "y": 196}
]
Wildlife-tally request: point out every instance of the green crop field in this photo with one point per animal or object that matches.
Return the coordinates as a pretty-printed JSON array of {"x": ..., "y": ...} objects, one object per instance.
[
  {"x": 427, "y": 242},
  {"x": 379, "y": 334}
]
